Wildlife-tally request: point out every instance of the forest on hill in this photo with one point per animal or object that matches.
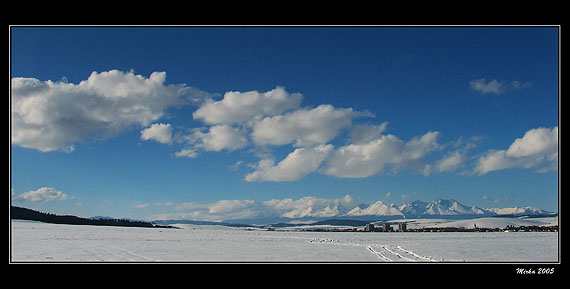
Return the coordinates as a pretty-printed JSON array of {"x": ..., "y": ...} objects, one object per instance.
[{"x": 20, "y": 213}]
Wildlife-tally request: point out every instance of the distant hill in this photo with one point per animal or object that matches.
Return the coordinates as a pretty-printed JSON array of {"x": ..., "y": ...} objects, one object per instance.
[
  {"x": 193, "y": 222},
  {"x": 341, "y": 222},
  {"x": 20, "y": 213}
]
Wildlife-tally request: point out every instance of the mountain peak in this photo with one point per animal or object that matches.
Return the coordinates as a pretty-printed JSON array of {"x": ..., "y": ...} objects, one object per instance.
[
  {"x": 437, "y": 208},
  {"x": 440, "y": 207},
  {"x": 376, "y": 209},
  {"x": 518, "y": 211}
]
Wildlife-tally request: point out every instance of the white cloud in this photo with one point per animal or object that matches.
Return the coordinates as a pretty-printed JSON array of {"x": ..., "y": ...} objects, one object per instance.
[
  {"x": 418, "y": 147},
  {"x": 186, "y": 153},
  {"x": 364, "y": 133},
  {"x": 516, "y": 85},
  {"x": 216, "y": 138},
  {"x": 450, "y": 162},
  {"x": 236, "y": 166},
  {"x": 219, "y": 137},
  {"x": 159, "y": 132},
  {"x": 305, "y": 127},
  {"x": 535, "y": 142},
  {"x": 141, "y": 205},
  {"x": 240, "y": 107},
  {"x": 364, "y": 160},
  {"x": 295, "y": 166},
  {"x": 536, "y": 148},
  {"x": 494, "y": 160},
  {"x": 43, "y": 194},
  {"x": 371, "y": 158},
  {"x": 49, "y": 116},
  {"x": 218, "y": 211},
  {"x": 495, "y": 86},
  {"x": 310, "y": 207},
  {"x": 237, "y": 209},
  {"x": 226, "y": 206}
]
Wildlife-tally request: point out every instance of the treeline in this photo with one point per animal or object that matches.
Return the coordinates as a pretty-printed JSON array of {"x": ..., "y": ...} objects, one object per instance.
[{"x": 29, "y": 214}]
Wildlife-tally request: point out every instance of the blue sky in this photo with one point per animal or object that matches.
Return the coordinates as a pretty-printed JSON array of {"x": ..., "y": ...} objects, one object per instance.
[{"x": 154, "y": 121}]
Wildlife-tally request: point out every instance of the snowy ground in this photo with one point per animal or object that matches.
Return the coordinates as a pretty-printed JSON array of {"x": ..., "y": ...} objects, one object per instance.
[
  {"x": 35, "y": 241},
  {"x": 491, "y": 222}
]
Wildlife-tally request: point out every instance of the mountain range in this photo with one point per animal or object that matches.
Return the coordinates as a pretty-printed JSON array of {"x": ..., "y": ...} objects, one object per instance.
[
  {"x": 331, "y": 214},
  {"x": 436, "y": 209},
  {"x": 440, "y": 208}
]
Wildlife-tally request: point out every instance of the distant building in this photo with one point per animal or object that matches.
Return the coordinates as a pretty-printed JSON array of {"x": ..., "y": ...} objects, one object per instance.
[
  {"x": 402, "y": 227},
  {"x": 369, "y": 228},
  {"x": 386, "y": 227}
]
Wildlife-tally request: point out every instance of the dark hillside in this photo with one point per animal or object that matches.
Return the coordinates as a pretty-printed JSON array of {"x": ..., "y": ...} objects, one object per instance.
[{"x": 28, "y": 214}]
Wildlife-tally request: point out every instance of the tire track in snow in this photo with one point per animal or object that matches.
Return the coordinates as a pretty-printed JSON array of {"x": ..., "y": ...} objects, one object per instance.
[
  {"x": 130, "y": 256},
  {"x": 380, "y": 255},
  {"x": 410, "y": 252},
  {"x": 103, "y": 253},
  {"x": 92, "y": 253},
  {"x": 397, "y": 254}
]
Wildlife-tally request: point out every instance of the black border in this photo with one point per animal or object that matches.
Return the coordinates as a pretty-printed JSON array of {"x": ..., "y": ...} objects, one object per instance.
[{"x": 431, "y": 271}]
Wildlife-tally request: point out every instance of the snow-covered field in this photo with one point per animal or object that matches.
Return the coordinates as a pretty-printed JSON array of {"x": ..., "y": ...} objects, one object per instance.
[
  {"x": 491, "y": 222},
  {"x": 42, "y": 242}
]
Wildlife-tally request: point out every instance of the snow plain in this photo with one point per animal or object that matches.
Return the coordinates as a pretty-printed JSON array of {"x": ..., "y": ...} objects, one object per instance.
[
  {"x": 42, "y": 242},
  {"x": 490, "y": 222}
]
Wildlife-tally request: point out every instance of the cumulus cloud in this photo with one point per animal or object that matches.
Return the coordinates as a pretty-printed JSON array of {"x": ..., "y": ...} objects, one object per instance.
[
  {"x": 238, "y": 209},
  {"x": 538, "y": 148},
  {"x": 304, "y": 127},
  {"x": 311, "y": 207},
  {"x": 49, "y": 116},
  {"x": 218, "y": 211},
  {"x": 159, "y": 132},
  {"x": 495, "y": 86},
  {"x": 364, "y": 160},
  {"x": 494, "y": 160},
  {"x": 240, "y": 107},
  {"x": 418, "y": 147},
  {"x": 450, "y": 162},
  {"x": 295, "y": 166},
  {"x": 370, "y": 158},
  {"x": 219, "y": 137},
  {"x": 43, "y": 194},
  {"x": 364, "y": 133},
  {"x": 536, "y": 141}
]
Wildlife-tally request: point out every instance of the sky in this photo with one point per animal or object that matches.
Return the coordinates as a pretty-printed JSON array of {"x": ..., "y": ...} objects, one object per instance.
[{"x": 225, "y": 122}]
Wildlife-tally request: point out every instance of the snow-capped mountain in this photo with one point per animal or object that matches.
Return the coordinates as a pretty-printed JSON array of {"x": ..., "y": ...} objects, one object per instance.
[
  {"x": 451, "y": 207},
  {"x": 438, "y": 208},
  {"x": 415, "y": 208},
  {"x": 376, "y": 209},
  {"x": 516, "y": 211},
  {"x": 441, "y": 208},
  {"x": 315, "y": 209}
]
